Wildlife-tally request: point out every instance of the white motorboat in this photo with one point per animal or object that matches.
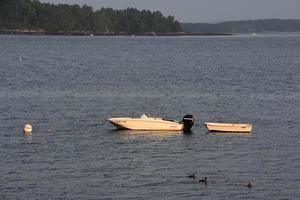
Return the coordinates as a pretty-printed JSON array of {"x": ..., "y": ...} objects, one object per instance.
[
  {"x": 152, "y": 123},
  {"x": 229, "y": 127}
]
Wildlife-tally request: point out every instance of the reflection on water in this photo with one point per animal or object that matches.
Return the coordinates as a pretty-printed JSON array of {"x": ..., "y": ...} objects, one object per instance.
[
  {"x": 231, "y": 134},
  {"x": 27, "y": 138},
  {"x": 134, "y": 134},
  {"x": 26, "y": 134}
]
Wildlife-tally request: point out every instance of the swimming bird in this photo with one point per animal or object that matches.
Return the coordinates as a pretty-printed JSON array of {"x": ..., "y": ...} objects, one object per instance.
[
  {"x": 249, "y": 185},
  {"x": 203, "y": 180},
  {"x": 193, "y": 176}
]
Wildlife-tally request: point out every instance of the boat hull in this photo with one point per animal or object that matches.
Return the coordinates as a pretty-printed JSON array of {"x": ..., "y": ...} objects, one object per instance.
[
  {"x": 227, "y": 127},
  {"x": 149, "y": 124}
]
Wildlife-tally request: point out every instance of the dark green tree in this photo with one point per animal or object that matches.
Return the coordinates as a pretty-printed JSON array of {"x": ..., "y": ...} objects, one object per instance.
[{"x": 32, "y": 14}]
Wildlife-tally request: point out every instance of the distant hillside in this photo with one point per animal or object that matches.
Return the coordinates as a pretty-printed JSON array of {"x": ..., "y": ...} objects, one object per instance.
[
  {"x": 249, "y": 26},
  {"x": 30, "y": 16}
]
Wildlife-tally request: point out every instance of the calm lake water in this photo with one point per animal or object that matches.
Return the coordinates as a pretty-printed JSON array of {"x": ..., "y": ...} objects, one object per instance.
[{"x": 67, "y": 86}]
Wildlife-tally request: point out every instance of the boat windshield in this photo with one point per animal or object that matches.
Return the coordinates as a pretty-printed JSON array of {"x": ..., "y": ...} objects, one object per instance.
[
  {"x": 144, "y": 116},
  {"x": 170, "y": 120}
]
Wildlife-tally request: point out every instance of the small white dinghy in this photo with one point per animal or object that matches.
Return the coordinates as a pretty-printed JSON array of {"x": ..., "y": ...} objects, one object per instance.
[{"x": 229, "y": 127}]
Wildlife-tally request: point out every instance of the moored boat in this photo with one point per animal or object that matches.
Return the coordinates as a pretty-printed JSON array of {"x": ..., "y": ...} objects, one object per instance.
[
  {"x": 152, "y": 123},
  {"x": 229, "y": 127}
]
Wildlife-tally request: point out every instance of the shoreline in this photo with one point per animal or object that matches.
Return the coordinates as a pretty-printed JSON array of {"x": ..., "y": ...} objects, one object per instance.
[{"x": 87, "y": 33}]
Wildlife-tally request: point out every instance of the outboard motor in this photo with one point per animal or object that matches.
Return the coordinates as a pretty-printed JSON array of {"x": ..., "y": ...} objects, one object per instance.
[{"x": 188, "y": 122}]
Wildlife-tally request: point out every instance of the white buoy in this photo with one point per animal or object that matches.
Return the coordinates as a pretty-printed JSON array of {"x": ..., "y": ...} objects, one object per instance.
[
  {"x": 27, "y": 129},
  {"x": 21, "y": 59}
]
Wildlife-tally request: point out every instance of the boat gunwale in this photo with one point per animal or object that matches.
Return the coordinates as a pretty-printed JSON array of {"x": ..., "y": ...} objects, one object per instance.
[
  {"x": 150, "y": 120},
  {"x": 227, "y": 124}
]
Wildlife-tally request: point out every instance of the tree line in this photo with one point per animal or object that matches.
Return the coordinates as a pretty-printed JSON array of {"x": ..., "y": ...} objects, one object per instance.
[
  {"x": 245, "y": 26},
  {"x": 32, "y": 14}
]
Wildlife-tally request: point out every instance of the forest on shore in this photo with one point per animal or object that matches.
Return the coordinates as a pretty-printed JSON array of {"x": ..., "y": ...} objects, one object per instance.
[
  {"x": 245, "y": 26},
  {"x": 34, "y": 16}
]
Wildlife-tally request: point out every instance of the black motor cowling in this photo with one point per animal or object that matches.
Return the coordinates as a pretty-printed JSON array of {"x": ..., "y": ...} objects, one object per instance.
[{"x": 188, "y": 122}]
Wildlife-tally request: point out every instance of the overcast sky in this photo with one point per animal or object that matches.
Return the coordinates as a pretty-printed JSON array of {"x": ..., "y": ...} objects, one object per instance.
[{"x": 204, "y": 10}]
